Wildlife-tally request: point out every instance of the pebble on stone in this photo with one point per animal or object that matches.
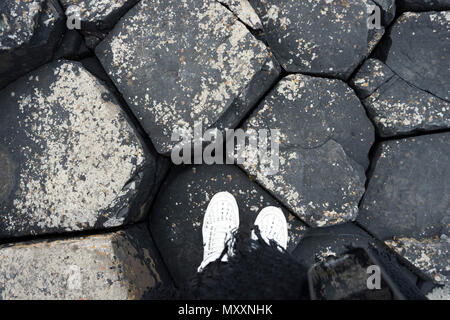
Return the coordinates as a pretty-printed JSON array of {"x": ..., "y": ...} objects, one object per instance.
[
  {"x": 30, "y": 30},
  {"x": 177, "y": 215},
  {"x": 321, "y": 37},
  {"x": 245, "y": 12},
  {"x": 70, "y": 158},
  {"x": 178, "y": 63},
  {"x": 97, "y": 15},
  {"x": 325, "y": 138},
  {"x": 113, "y": 266}
]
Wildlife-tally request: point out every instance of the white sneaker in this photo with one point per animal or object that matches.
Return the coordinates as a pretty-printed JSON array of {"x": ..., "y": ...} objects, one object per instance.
[
  {"x": 221, "y": 219},
  {"x": 272, "y": 225}
]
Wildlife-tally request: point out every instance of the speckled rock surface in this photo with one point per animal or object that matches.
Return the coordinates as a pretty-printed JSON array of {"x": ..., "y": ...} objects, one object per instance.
[
  {"x": 325, "y": 138},
  {"x": 416, "y": 49},
  {"x": 177, "y": 63},
  {"x": 396, "y": 106},
  {"x": 70, "y": 158},
  {"x": 423, "y": 5},
  {"x": 320, "y": 37},
  {"x": 244, "y": 11},
  {"x": 430, "y": 255},
  {"x": 408, "y": 194},
  {"x": 177, "y": 215},
  {"x": 440, "y": 293},
  {"x": 29, "y": 32},
  {"x": 120, "y": 265},
  {"x": 98, "y": 15},
  {"x": 408, "y": 89}
]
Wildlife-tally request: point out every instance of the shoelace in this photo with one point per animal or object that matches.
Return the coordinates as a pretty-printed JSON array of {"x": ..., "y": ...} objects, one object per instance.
[{"x": 221, "y": 234}]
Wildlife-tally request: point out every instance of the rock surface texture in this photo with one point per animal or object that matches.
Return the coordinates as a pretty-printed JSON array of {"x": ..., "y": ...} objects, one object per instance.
[
  {"x": 119, "y": 265},
  {"x": 244, "y": 11},
  {"x": 321, "y": 37},
  {"x": 325, "y": 138},
  {"x": 408, "y": 89},
  {"x": 407, "y": 202},
  {"x": 177, "y": 63},
  {"x": 70, "y": 158},
  {"x": 97, "y": 15},
  {"x": 335, "y": 111},
  {"x": 29, "y": 34}
]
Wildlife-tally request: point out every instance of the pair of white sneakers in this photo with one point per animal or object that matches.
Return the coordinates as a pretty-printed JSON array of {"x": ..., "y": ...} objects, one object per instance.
[{"x": 222, "y": 219}]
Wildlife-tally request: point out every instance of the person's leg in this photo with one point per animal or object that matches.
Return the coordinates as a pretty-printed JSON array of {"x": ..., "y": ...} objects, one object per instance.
[{"x": 220, "y": 220}]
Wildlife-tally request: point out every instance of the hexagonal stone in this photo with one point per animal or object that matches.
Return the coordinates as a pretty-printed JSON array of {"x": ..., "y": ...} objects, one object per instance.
[
  {"x": 416, "y": 49},
  {"x": 119, "y": 265},
  {"x": 321, "y": 37},
  {"x": 181, "y": 62},
  {"x": 430, "y": 255},
  {"x": 177, "y": 215},
  {"x": 423, "y": 5},
  {"x": 408, "y": 194},
  {"x": 97, "y": 15},
  {"x": 71, "y": 160},
  {"x": 244, "y": 11},
  {"x": 325, "y": 138},
  {"x": 407, "y": 89},
  {"x": 30, "y": 32}
]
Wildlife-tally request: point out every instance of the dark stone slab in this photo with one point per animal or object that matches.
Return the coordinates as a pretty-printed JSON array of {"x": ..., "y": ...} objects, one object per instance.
[
  {"x": 320, "y": 37},
  {"x": 115, "y": 266},
  {"x": 177, "y": 215},
  {"x": 416, "y": 49},
  {"x": 71, "y": 158},
  {"x": 178, "y": 63},
  {"x": 409, "y": 188},
  {"x": 325, "y": 138},
  {"x": 29, "y": 34},
  {"x": 395, "y": 106},
  {"x": 430, "y": 255},
  {"x": 98, "y": 15},
  {"x": 423, "y": 5},
  {"x": 244, "y": 11}
]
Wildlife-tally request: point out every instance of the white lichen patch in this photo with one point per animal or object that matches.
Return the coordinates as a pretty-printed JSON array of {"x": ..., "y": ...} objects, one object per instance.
[
  {"x": 245, "y": 12},
  {"x": 412, "y": 109},
  {"x": 95, "y": 267},
  {"x": 18, "y": 22},
  {"x": 180, "y": 64},
  {"x": 429, "y": 255},
  {"x": 96, "y": 10},
  {"x": 87, "y": 152}
]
